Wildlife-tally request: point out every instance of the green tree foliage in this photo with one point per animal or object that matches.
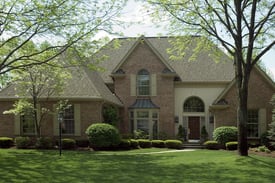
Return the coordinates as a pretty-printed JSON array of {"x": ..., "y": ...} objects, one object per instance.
[
  {"x": 34, "y": 84},
  {"x": 65, "y": 23},
  {"x": 271, "y": 131},
  {"x": 110, "y": 115},
  {"x": 242, "y": 28}
]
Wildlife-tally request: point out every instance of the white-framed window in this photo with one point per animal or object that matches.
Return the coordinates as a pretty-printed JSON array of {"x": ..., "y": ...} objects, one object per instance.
[
  {"x": 193, "y": 104},
  {"x": 253, "y": 123},
  {"x": 145, "y": 120},
  {"x": 68, "y": 121},
  {"x": 143, "y": 83},
  {"x": 27, "y": 123}
]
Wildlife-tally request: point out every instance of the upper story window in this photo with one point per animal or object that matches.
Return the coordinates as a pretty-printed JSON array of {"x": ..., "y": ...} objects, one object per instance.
[
  {"x": 143, "y": 83},
  {"x": 193, "y": 104}
]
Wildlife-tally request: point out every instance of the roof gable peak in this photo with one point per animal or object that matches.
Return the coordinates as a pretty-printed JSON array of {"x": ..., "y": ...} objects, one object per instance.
[{"x": 142, "y": 40}]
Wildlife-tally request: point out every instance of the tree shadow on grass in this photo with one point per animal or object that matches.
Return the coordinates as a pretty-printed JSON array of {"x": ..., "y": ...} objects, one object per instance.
[{"x": 73, "y": 166}]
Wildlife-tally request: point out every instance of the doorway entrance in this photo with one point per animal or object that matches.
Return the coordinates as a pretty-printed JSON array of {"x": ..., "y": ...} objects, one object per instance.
[{"x": 194, "y": 128}]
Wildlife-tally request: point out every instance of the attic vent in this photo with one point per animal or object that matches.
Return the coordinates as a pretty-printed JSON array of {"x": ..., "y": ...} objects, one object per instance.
[
  {"x": 166, "y": 70},
  {"x": 120, "y": 71},
  {"x": 222, "y": 102}
]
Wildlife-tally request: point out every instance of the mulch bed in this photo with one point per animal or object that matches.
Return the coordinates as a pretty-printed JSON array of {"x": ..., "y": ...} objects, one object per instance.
[{"x": 253, "y": 151}]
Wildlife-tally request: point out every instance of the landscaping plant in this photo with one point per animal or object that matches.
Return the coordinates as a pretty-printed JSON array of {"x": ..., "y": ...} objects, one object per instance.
[{"x": 103, "y": 135}]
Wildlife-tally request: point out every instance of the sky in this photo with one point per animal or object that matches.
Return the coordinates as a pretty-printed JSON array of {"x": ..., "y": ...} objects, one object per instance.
[{"x": 134, "y": 12}]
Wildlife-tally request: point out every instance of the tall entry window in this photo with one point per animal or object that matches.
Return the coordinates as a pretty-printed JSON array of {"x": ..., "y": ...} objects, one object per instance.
[
  {"x": 145, "y": 120},
  {"x": 68, "y": 120},
  {"x": 193, "y": 104},
  {"x": 143, "y": 83},
  {"x": 27, "y": 123},
  {"x": 252, "y": 123}
]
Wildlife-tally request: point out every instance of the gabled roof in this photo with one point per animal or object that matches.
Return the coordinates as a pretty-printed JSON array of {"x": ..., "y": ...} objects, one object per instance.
[
  {"x": 203, "y": 69},
  {"x": 233, "y": 83},
  {"x": 84, "y": 84},
  {"x": 137, "y": 42}
]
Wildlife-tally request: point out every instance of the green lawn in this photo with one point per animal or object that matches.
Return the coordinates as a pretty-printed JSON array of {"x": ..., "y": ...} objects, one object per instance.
[{"x": 133, "y": 167}]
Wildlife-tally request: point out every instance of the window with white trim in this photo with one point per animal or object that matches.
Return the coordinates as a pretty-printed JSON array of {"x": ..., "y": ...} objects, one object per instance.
[
  {"x": 193, "y": 104},
  {"x": 27, "y": 123},
  {"x": 68, "y": 121},
  {"x": 143, "y": 83},
  {"x": 252, "y": 123},
  {"x": 145, "y": 120}
]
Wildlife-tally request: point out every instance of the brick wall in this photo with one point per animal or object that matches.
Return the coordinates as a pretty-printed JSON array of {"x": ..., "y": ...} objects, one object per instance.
[
  {"x": 6, "y": 120},
  {"x": 260, "y": 94},
  {"x": 144, "y": 58},
  {"x": 90, "y": 112}
]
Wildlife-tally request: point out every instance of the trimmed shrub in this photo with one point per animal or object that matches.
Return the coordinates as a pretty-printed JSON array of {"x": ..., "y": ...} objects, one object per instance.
[
  {"x": 6, "y": 142},
  {"x": 158, "y": 143},
  {"x": 125, "y": 144},
  {"x": 134, "y": 144},
  {"x": 82, "y": 143},
  {"x": 68, "y": 143},
  {"x": 212, "y": 144},
  {"x": 44, "y": 143},
  {"x": 225, "y": 134},
  {"x": 23, "y": 142},
  {"x": 102, "y": 135},
  {"x": 231, "y": 145},
  {"x": 144, "y": 143},
  {"x": 140, "y": 134},
  {"x": 173, "y": 144}
]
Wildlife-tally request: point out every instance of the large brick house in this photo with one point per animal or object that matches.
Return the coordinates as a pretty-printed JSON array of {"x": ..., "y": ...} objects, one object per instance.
[{"x": 152, "y": 92}]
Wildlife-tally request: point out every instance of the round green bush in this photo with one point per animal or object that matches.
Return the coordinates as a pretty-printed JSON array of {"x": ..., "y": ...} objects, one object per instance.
[
  {"x": 144, "y": 143},
  {"x": 102, "y": 135},
  {"x": 23, "y": 142},
  {"x": 44, "y": 143},
  {"x": 158, "y": 143},
  {"x": 225, "y": 134},
  {"x": 68, "y": 143},
  {"x": 6, "y": 142},
  {"x": 173, "y": 144},
  {"x": 212, "y": 144},
  {"x": 134, "y": 144},
  {"x": 231, "y": 145}
]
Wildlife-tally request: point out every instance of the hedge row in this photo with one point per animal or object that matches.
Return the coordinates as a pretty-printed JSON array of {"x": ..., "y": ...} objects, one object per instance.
[
  {"x": 145, "y": 143},
  {"x": 214, "y": 145},
  {"x": 41, "y": 143}
]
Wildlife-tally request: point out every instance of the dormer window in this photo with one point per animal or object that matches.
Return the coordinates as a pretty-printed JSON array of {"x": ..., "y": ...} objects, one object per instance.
[{"x": 143, "y": 83}]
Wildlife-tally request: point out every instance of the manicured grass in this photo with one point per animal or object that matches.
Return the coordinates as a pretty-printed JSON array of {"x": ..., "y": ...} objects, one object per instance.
[{"x": 131, "y": 167}]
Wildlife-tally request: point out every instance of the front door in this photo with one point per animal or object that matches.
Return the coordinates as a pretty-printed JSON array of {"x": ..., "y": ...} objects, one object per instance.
[{"x": 194, "y": 127}]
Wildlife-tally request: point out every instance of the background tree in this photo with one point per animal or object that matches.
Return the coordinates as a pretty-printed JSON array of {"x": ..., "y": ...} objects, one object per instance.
[
  {"x": 64, "y": 23},
  {"x": 244, "y": 28},
  {"x": 35, "y": 83}
]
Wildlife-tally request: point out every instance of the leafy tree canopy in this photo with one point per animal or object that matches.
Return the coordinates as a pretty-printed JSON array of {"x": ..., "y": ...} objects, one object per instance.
[{"x": 62, "y": 23}]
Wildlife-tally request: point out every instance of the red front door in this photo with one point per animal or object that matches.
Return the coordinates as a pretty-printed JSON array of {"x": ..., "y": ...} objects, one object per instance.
[{"x": 194, "y": 127}]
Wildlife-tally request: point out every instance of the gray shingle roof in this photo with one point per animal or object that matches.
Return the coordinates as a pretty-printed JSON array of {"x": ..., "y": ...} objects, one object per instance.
[
  {"x": 203, "y": 69},
  {"x": 84, "y": 84}
]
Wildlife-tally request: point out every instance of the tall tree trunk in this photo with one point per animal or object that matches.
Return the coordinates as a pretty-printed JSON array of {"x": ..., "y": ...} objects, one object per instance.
[
  {"x": 242, "y": 123},
  {"x": 35, "y": 116},
  {"x": 242, "y": 84}
]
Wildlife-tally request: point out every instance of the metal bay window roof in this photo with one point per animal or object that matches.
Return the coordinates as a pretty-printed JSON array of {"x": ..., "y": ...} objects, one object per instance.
[{"x": 143, "y": 104}]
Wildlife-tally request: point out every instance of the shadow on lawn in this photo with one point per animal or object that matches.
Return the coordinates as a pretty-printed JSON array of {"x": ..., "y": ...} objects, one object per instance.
[{"x": 72, "y": 166}]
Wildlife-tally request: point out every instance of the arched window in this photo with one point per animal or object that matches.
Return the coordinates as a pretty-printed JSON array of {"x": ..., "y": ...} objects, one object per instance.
[
  {"x": 193, "y": 104},
  {"x": 143, "y": 83}
]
